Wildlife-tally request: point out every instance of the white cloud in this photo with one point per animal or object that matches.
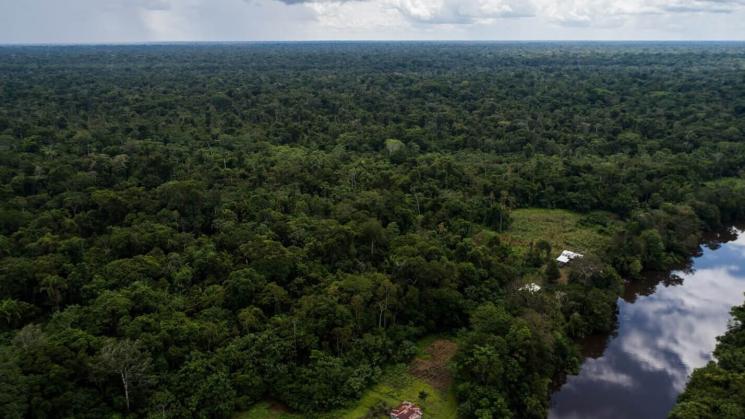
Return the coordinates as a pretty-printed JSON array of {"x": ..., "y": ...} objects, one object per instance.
[
  {"x": 356, "y": 15},
  {"x": 462, "y": 11},
  {"x": 566, "y": 12},
  {"x": 616, "y": 12},
  {"x": 234, "y": 20},
  {"x": 602, "y": 372},
  {"x": 686, "y": 321},
  {"x": 154, "y": 4}
]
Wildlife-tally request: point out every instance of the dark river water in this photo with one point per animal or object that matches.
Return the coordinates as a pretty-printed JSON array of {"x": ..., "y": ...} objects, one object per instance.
[{"x": 667, "y": 327}]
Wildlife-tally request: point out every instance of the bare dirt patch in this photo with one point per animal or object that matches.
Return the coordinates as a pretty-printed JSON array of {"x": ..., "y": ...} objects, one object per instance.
[
  {"x": 277, "y": 407},
  {"x": 434, "y": 369}
]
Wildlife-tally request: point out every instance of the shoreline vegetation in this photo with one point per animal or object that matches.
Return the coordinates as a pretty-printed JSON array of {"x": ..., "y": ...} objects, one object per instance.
[
  {"x": 718, "y": 389},
  {"x": 197, "y": 230}
]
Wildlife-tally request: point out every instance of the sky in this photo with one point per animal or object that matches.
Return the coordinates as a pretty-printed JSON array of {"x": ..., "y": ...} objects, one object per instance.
[{"x": 135, "y": 21}]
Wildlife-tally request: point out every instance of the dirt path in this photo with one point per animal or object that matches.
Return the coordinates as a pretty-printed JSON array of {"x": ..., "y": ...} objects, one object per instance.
[{"x": 434, "y": 369}]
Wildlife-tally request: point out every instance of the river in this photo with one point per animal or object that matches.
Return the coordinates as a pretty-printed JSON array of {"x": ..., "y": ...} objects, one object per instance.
[{"x": 667, "y": 327}]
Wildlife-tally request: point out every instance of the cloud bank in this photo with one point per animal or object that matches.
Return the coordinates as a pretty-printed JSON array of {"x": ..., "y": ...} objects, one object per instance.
[{"x": 235, "y": 20}]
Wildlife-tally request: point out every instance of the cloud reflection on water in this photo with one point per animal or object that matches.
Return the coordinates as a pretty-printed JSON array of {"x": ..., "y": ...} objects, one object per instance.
[{"x": 661, "y": 338}]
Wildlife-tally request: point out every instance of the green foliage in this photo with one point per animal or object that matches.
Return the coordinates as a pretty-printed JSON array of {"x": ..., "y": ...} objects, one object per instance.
[
  {"x": 503, "y": 365},
  {"x": 718, "y": 389},
  {"x": 559, "y": 229},
  {"x": 394, "y": 386},
  {"x": 281, "y": 222},
  {"x": 552, "y": 270}
]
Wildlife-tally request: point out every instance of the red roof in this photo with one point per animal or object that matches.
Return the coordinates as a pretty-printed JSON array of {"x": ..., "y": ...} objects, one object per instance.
[{"x": 406, "y": 410}]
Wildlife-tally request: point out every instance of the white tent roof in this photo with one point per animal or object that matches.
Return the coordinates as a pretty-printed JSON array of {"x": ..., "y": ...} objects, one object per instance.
[
  {"x": 532, "y": 287},
  {"x": 568, "y": 255}
]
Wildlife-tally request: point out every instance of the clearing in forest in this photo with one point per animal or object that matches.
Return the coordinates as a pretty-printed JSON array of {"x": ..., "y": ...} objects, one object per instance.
[
  {"x": 435, "y": 367},
  {"x": 428, "y": 374},
  {"x": 561, "y": 228}
]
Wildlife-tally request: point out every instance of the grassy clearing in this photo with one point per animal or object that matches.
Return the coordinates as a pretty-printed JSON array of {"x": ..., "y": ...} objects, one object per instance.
[
  {"x": 561, "y": 228},
  {"x": 733, "y": 182},
  {"x": 425, "y": 343},
  {"x": 265, "y": 410},
  {"x": 396, "y": 385}
]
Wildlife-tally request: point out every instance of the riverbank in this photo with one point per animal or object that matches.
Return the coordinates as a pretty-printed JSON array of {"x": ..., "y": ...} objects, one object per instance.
[
  {"x": 667, "y": 326},
  {"x": 718, "y": 389}
]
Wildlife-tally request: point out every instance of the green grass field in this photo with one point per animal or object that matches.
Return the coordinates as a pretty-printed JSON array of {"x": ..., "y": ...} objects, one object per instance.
[
  {"x": 734, "y": 182},
  {"x": 561, "y": 228},
  {"x": 396, "y": 385},
  {"x": 264, "y": 410}
]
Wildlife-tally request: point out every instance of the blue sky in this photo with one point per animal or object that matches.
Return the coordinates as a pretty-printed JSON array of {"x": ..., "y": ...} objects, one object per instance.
[{"x": 98, "y": 21}]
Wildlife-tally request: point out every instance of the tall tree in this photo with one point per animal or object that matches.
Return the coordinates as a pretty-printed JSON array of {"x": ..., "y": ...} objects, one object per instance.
[{"x": 125, "y": 358}]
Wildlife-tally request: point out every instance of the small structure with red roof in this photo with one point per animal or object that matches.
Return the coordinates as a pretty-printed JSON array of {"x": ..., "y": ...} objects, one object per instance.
[{"x": 406, "y": 410}]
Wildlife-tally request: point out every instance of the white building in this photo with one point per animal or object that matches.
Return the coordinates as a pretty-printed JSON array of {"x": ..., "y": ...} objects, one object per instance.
[
  {"x": 566, "y": 256},
  {"x": 532, "y": 287}
]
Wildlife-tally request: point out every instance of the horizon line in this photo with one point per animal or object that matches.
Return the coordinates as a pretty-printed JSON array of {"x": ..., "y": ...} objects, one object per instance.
[{"x": 307, "y": 41}]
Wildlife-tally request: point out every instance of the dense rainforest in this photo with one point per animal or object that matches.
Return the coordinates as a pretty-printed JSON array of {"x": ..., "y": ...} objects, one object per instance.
[{"x": 186, "y": 230}]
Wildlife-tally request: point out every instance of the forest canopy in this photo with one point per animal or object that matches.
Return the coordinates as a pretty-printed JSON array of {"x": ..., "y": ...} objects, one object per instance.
[{"x": 186, "y": 230}]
